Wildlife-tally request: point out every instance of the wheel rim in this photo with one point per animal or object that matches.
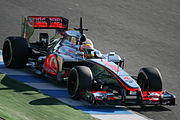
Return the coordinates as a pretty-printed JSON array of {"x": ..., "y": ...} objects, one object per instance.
[
  {"x": 143, "y": 82},
  {"x": 72, "y": 83},
  {"x": 7, "y": 54}
]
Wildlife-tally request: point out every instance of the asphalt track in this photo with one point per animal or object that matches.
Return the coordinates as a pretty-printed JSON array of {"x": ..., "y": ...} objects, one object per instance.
[{"x": 146, "y": 32}]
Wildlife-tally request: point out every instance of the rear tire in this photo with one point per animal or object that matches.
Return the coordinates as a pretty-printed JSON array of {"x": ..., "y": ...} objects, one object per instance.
[
  {"x": 80, "y": 79},
  {"x": 149, "y": 79},
  {"x": 15, "y": 52}
]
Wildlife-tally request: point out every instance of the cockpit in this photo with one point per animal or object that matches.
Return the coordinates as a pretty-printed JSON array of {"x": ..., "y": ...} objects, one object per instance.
[{"x": 85, "y": 45}]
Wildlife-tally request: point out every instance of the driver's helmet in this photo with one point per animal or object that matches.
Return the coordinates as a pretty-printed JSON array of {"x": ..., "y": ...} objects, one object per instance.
[{"x": 88, "y": 50}]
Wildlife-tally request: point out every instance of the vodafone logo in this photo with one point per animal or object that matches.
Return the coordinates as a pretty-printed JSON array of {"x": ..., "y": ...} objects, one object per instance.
[
  {"x": 44, "y": 19},
  {"x": 53, "y": 64}
]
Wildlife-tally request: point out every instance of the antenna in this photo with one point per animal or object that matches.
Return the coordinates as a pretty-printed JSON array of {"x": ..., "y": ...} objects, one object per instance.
[
  {"x": 81, "y": 29},
  {"x": 80, "y": 26}
]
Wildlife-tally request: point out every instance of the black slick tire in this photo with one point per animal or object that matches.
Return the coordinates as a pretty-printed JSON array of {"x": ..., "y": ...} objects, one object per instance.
[
  {"x": 80, "y": 79},
  {"x": 15, "y": 52},
  {"x": 149, "y": 79}
]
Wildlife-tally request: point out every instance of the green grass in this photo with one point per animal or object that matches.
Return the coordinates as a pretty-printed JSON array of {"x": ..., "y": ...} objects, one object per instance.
[{"x": 21, "y": 102}]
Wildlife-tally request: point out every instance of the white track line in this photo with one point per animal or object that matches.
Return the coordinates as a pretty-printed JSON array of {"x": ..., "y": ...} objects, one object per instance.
[
  {"x": 71, "y": 102},
  {"x": 119, "y": 117}
]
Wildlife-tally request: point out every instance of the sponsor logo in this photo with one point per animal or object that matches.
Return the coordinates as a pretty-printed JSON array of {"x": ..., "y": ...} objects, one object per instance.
[
  {"x": 126, "y": 78},
  {"x": 51, "y": 65},
  {"x": 44, "y": 19}
]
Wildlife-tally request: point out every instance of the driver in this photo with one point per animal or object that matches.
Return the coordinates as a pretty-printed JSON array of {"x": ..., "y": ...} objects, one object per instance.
[{"x": 88, "y": 50}]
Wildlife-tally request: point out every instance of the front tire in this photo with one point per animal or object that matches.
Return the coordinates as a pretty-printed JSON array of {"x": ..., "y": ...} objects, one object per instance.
[
  {"x": 149, "y": 79},
  {"x": 15, "y": 52},
  {"x": 80, "y": 79}
]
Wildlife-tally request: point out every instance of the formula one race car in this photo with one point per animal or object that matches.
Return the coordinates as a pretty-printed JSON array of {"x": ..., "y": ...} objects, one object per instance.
[{"x": 90, "y": 75}]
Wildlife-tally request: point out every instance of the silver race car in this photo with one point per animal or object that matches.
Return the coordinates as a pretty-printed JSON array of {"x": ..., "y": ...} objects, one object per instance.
[{"x": 70, "y": 57}]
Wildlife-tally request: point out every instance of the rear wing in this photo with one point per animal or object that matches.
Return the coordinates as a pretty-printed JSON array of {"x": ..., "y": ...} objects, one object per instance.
[
  {"x": 48, "y": 22},
  {"x": 30, "y": 23}
]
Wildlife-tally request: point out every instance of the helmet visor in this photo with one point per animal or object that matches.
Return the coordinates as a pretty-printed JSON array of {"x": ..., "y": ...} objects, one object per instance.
[{"x": 88, "y": 52}]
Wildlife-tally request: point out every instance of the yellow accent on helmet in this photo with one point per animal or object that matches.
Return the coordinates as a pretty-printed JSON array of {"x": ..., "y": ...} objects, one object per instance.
[{"x": 88, "y": 50}]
